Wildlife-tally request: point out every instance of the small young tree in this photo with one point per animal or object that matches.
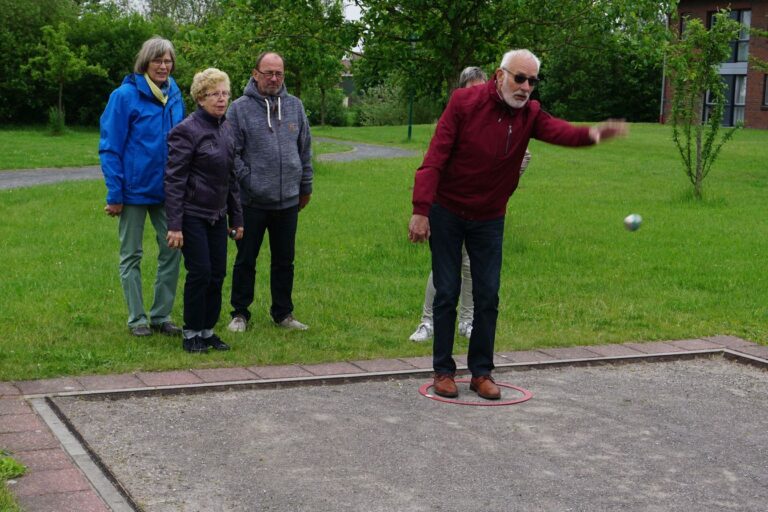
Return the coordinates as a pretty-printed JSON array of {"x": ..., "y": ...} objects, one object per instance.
[
  {"x": 693, "y": 66},
  {"x": 57, "y": 63}
]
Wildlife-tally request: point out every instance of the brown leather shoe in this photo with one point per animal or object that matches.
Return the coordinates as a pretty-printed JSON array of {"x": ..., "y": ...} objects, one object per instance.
[
  {"x": 485, "y": 387},
  {"x": 445, "y": 385}
]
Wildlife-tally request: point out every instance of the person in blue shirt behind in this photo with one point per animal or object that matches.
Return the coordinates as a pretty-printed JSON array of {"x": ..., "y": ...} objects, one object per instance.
[{"x": 133, "y": 152}]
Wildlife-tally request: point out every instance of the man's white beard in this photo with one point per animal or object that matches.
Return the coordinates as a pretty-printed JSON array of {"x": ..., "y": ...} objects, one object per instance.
[{"x": 509, "y": 97}]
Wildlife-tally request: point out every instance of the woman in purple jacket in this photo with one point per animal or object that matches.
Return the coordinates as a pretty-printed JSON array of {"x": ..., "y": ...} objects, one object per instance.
[{"x": 201, "y": 190}]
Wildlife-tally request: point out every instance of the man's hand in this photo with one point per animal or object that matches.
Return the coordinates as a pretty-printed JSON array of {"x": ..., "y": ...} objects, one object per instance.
[
  {"x": 113, "y": 210},
  {"x": 418, "y": 228},
  {"x": 238, "y": 232},
  {"x": 608, "y": 130},
  {"x": 175, "y": 239},
  {"x": 304, "y": 201}
]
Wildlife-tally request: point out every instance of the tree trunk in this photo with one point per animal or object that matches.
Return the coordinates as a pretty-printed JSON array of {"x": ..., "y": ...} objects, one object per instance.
[
  {"x": 61, "y": 94},
  {"x": 322, "y": 106},
  {"x": 698, "y": 182}
]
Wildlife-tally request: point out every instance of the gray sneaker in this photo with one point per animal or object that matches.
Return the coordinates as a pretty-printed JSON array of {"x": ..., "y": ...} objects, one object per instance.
[
  {"x": 465, "y": 329},
  {"x": 238, "y": 324},
  {"x": 422, "y": 333},
  {"x": 291, "y": 323}
]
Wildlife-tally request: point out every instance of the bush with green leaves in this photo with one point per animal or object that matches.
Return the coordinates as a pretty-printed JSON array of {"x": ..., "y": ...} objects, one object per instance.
[
  {"x": 56, "y": 121},
  {"x": 335, "y": 112}
]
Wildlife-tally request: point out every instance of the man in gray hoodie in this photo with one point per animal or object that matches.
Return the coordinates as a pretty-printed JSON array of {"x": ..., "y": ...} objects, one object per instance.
[{"x": 273, "y": 163}]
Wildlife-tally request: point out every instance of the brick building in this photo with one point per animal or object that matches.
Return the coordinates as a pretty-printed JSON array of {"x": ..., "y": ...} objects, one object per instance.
[{"x": 747, "y": 92}]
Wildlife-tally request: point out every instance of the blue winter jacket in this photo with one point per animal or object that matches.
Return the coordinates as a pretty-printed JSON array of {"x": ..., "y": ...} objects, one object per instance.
[{"x": 133, "y": 145}]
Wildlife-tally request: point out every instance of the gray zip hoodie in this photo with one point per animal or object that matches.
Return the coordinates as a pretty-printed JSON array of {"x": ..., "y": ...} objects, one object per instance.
[{"x": 273, "y": 148}]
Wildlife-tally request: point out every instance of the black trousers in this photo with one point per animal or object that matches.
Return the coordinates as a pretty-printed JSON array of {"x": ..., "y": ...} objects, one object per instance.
[
  {"x": 205, "y": 258},
  {"x": 281, "y": 226},
  {"x": 484, "y": 240}
]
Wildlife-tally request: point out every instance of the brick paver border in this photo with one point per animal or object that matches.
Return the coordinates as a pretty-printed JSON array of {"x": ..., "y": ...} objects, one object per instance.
[{"x": 59, "y": 477}]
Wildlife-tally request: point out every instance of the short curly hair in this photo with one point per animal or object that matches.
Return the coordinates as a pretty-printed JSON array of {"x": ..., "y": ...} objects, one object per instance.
[{"x": 206, "y": 80}]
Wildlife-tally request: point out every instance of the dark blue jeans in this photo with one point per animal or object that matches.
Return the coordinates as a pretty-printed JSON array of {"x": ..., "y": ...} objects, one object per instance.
[
  {"x": 483, "y": 240},
  {"x": 205, "y": 258},
  {"x": 281, "y": 226}
]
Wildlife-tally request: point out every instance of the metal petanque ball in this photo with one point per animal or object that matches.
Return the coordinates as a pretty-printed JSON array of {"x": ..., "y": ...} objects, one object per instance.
[{"x": 632, "y": 222}]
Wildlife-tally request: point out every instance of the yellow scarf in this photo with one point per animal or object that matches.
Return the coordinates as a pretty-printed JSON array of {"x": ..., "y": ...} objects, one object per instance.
[{"x": 162, "y": 98}]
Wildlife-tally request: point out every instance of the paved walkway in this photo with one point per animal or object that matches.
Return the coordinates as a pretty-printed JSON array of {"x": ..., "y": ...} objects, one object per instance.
[
  {"x": 47, "y": 176},
  {"x": 62, "y": 476}
]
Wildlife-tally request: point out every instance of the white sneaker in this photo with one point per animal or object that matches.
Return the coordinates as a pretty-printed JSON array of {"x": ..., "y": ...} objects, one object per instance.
[
  {"x": 291, "y": 323},
  {"x": 238, "y": 324},
  {"x": 465, "y": 329},
  {"x": 422, "y": 333}
]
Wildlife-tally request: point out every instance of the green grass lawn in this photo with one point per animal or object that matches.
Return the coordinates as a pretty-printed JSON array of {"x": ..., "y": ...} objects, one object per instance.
[
  {"x": 572, "y": 274},
  {"x": 33, "y": 147}
]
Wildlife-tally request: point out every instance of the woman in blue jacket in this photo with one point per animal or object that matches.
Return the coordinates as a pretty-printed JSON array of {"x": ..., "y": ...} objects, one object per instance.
[
  {"x": 202, "y": 190},
  {"x": 133, "y": 152}
]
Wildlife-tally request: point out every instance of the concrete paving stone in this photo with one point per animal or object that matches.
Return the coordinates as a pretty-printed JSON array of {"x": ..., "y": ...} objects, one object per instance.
[
  {"x": 654, "y": 347},
  {"x": 105, "y": 382},
  {"x": 422, "y": 363},
  {"x": 51, "y": 481},
  {"x": 40, "y": 460},
  {"x": 729, "y": 341},
  {"x": 225, "y": 374},
  {"x": 280, "y": 372},
  {"x": 31, "y": 440},
  {"x": 8, "y": 389},
  {"x": 569, "y": 353},
  {"x": 695, "y": 344},
  {"x": 14, "y": 406},
  {"x": 383, "y": 365},
  {"x": 46, "y": 386},
  {"x": 20, "y": 423},
  {"x": 613, "y": 350},
  {"x": 176, "y": 378},
  {"x": 78, "y": 501},
  {"x": 757, "y": 351},
  {"x": 332, "y": 369},
  {"x": 526, "y": 356}
]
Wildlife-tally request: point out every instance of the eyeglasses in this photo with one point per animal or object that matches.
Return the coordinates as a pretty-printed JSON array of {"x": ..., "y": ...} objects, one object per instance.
[
  {"x": 160, "y": 62},
  {"x": 519, "y": 78},
  {"x": 218, "y": 95},
  {"x": 271, "y": 74}
]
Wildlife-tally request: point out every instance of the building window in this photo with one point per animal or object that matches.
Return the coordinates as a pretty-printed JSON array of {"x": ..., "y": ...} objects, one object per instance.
[
  {"x": 735, "y": 100},
  {"x": 740, "y": 46},
  {"x": 765, "y": 90}
]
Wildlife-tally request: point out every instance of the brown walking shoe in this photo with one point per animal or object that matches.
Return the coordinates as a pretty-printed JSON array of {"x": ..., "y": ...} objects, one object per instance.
[
  {"x": 445, "y": 385},
  {"x": 485, "y": 387}
]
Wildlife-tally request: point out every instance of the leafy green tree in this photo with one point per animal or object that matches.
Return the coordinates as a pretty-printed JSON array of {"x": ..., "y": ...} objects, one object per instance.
[
  {"x": 428, "y": 42},
  {"x": 57, "y": 63},
  {"x": 693, "y": 65},
  {"x": 112, "y": 37},
  {"x": 312, "y": 36},
  {"x": 21, "y": 23},
  {"x": 616, "y": 75}
]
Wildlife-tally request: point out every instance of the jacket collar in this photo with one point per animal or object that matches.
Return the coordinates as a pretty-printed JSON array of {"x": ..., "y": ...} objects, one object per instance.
[
  {"x": 203, "y": 115},
  {"x": 142, "y": 86},
  {"x": 252, "y": 90}
]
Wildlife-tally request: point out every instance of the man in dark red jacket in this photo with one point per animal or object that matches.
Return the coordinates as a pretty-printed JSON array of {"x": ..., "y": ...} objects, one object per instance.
[{"x": 460, "y": 197}]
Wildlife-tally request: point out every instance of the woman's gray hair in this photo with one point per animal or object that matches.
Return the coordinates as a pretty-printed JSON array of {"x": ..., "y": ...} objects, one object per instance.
[
  {"x": 505, "y": 60},
  {"x": 153, "y": 48},
  {"x": 471, "y": 74}
]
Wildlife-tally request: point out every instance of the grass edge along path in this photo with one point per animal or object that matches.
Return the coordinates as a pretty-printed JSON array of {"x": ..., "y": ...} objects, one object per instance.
[{"x": 9, "y": 469}]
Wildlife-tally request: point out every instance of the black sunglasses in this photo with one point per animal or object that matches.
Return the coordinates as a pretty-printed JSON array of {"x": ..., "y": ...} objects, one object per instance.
[{"x": 520, "y": 78}]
